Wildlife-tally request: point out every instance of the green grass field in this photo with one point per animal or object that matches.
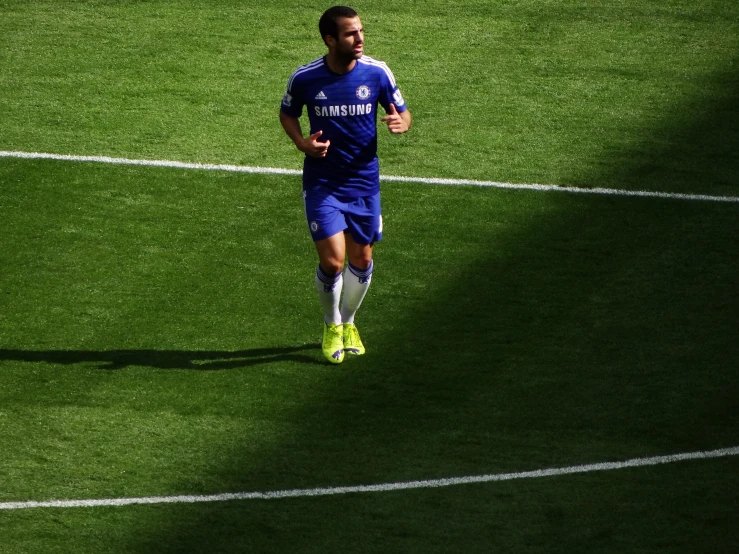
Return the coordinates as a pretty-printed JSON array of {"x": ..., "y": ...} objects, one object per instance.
[{"x": 159, "y": 329}]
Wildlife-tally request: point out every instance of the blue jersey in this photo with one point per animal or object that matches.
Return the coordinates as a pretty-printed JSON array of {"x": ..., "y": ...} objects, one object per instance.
[{"x": 344, "y": 107}]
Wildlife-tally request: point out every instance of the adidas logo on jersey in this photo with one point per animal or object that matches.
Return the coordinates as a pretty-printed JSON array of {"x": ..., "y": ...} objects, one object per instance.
[{"x": 321, "y": 96}]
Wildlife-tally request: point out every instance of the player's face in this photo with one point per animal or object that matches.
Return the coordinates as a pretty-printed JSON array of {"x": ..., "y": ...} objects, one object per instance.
[{"x": 350, "y": 43}]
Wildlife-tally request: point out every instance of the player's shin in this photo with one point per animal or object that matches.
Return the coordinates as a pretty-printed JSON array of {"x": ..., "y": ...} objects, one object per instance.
[
  {"x": 356, "y": 283},
  {"x": 329, "y": 294}
]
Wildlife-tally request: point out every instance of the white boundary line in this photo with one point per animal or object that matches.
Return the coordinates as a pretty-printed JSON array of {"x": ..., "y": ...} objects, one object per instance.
[
  {"x": 424, "y": 180},
  {"x": 433, "y": 483}
]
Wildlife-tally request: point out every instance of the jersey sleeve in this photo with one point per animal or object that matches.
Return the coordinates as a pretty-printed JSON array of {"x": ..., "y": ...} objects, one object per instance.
[
  {"x": 389, "y": 91},
  {"x": 293, "y": 100}
]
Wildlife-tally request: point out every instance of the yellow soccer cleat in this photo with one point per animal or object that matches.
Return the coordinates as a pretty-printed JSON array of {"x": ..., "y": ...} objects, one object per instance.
[
  {"x": 333, "y": 343},
  {"x": 352, "y": 342}
]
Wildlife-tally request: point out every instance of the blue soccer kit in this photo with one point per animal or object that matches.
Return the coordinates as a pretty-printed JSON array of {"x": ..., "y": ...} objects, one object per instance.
[{"x": 344, "y": 108}]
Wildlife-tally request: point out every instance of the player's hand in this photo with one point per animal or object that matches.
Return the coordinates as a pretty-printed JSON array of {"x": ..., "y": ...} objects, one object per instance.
[
  {"x": 313, "y": 148},
  {"x": 395, "y": 123}
]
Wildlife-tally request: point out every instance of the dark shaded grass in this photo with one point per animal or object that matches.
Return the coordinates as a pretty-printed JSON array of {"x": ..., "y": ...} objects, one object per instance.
[
  {"x": 580, "y": 514},
  {"x": 523, "y": 341},
  {"x": 595, "y": 342},
  {"x": 578, "y": 330}
]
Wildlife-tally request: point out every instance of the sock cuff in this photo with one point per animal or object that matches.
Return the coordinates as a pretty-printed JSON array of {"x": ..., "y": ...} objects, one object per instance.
[
  {"x": 362, "y": 274},
  {"x": 327, "y": 279}
]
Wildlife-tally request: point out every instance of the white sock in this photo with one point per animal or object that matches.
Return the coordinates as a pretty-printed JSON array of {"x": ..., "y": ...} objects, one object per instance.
[
  {"x": 356, "y": 283},
  {"x": 329, "y": 292}
]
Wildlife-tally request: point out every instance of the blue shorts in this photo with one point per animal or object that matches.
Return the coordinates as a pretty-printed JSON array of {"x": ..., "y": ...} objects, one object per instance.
[{"x": 328, "y": 214}]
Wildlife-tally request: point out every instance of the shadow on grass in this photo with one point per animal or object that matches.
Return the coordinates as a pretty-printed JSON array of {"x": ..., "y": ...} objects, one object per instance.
[
  {"x": 596, "y": 329},
  {"x": 694, "y": 150},
  {"x": 200, "y": 360}
]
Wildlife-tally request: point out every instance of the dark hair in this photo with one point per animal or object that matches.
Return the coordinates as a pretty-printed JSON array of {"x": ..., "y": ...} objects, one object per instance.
[{"x": 327, "y": 25}]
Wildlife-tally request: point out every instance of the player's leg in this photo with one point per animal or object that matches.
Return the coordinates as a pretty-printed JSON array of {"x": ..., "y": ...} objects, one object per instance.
[
  {"x": 329, "y": 281},
  {"x": 364, "y": 229},
  {"x": 329, "y": 278},
  {"x": 357, "y": 277},
  {"x": 327, "y": 224}
]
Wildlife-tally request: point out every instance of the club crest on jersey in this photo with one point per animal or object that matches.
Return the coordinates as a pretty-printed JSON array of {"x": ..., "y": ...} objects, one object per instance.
[{"x": 363, "y": 92}]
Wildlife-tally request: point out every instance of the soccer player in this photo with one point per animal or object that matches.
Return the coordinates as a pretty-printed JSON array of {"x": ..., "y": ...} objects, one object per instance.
[{"x": 341, "y": 174}]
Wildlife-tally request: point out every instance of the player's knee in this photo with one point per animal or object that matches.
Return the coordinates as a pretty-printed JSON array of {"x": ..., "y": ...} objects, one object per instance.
[
  {"x": 332, "y": 266},
  {"x": 361, "y": 261}
]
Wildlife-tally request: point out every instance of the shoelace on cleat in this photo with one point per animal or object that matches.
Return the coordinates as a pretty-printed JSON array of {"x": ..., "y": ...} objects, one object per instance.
[
  {"x": 334, "y": 334},
  {"x": 353, "y": 335}
]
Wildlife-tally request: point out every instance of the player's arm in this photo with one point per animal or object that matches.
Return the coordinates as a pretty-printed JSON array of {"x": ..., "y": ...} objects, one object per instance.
[
  {"x": 310, "y": 146},
  {"x": 397, "y": 122},
  {"x": 406, "y": 116}
]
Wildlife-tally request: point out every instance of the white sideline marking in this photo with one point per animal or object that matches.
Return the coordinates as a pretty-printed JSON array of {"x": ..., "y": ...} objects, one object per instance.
[
  {"x": 433, "y": 483},
  {"x": 153, "y": 163},
  {"x": 424, "y": 180}
]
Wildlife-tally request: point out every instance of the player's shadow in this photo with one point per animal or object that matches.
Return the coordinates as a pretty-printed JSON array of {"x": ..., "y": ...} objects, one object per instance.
[{"x": 201, "y": 360}]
